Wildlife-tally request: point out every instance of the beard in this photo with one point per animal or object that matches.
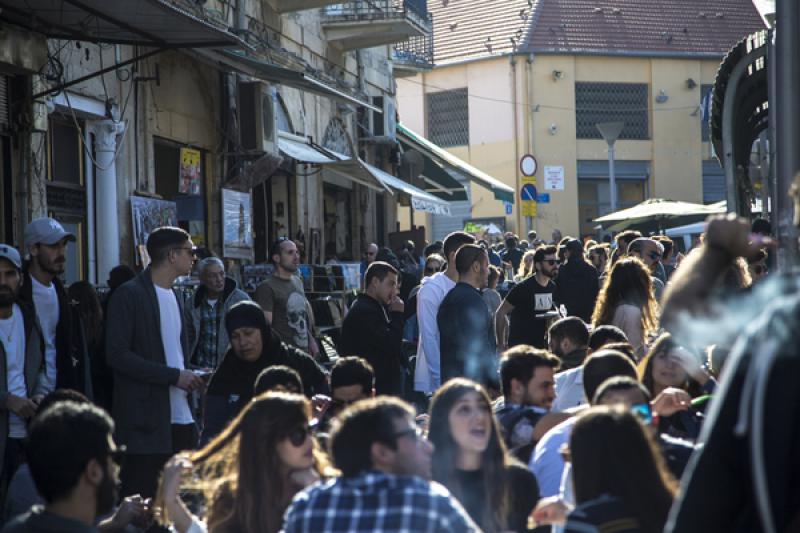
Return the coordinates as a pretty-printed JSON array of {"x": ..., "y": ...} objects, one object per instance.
[
  {"x": 54, "y": 267},
  {"x": 107, "y": 494},
  {"x": 8, "y": 296}
]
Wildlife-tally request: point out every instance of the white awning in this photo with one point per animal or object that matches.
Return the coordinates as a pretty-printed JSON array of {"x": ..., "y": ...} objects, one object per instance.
[
  {"x": 420, "y": 200},
  {"x": 302, "y": 151}
]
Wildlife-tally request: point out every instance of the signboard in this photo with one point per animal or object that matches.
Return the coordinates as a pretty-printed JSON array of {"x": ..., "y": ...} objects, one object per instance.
[
  {"x": 149, "y": 214},
  {"x": 509, "y": 207},
  {"x": 237, "y": 224},
  {"x": 554, "y": 178},
  {"x": 543, "y": 198},
  {"x": 528, "y": 165},
  {"x": 190, "y": 178},
  {"x": 528, "y": 195}
]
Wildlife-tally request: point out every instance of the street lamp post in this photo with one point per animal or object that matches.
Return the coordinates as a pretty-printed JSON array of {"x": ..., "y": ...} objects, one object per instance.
[{"x": 610, "y": 132}]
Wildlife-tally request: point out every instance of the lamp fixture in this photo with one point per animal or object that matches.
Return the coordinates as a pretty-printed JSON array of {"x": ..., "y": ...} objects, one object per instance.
[
  {"x": 662, "y": 96},
  {"x": 691, "y": 84},
  {"x": 558, "y": 75}
]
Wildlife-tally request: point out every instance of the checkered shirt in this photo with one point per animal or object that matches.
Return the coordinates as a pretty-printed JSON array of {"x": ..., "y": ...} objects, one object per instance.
[
  {"x": 210, "y": 319},
  {"x": 377, "y": 502}
]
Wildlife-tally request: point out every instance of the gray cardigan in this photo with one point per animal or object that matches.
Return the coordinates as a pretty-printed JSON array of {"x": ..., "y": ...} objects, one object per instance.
[
  {"x": 135, "y": 352},
  {"x": 35, "y": 380}
]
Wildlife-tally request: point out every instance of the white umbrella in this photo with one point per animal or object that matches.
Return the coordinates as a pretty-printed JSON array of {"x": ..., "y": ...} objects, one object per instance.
[{"x": 658, "y": 211}]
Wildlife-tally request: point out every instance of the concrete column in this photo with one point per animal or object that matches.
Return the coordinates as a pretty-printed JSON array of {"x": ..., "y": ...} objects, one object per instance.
[{"x": 107, "y": 214}]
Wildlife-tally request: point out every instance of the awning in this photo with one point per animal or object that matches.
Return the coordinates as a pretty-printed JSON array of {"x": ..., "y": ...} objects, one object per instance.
[
  {"x": 420, "y": 200},
  {"x": 454, "y": 166},
  {"x": 302, "y": 151},
  {"x": 157, "y": 23},
  {"x": 262, "y": 70}
]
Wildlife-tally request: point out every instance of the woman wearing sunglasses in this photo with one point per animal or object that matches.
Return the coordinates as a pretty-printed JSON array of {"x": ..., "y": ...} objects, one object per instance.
[
  {"x": 620, "y": 479},
  {"x": 249, "y": 473},
  {"x": 669, "y": 365},
  {"x": 470, "y": 459},
  {"x": 627, "y": 301}
]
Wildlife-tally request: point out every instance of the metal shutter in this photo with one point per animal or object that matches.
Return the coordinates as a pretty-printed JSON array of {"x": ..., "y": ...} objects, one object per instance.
[{"x": 4, "y": 120}]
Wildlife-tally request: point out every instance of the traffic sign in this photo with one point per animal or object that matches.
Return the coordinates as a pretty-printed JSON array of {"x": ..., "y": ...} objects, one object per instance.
[
  {"x": 528, "y": 192},
  {"x": 529, "y": 209},
  {"x": 543, "y": 198},
  {"x": 528, "y": 165}
]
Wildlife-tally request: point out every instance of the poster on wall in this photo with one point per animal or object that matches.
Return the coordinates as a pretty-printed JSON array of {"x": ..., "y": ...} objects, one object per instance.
[
  {"x": 149, "y": 214},
  {"x": 190, "y": 178},
  {"x": 237, "y": 224}
]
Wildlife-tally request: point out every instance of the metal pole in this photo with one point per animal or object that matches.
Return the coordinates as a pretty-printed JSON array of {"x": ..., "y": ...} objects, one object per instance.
[
  {"x": 612, "y": 182},
  {"x": 786, "y": 114}
]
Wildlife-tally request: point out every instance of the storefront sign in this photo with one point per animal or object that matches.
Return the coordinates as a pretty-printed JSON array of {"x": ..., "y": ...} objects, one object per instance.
[
  {"x": 420, "y": 204},
  {"x": 554, "y": 178},
  {"x": 237, "y": 224},
  {"x": 149, "y": 214},
  {"x": 190, "y": 177}
]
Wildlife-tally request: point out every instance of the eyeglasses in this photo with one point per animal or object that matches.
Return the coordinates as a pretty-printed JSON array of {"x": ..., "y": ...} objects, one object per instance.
[
  {"x": 299, "y": 435},
  {"x": 117, "y": 454},
  {"x": 416, "y": 432},
  {"x": 189, "y": 249}
]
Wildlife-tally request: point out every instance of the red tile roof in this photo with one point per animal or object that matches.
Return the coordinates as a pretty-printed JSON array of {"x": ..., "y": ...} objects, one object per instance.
[
  {"x": 658, "y": 27},
  {"x": 473, "y": 29}
]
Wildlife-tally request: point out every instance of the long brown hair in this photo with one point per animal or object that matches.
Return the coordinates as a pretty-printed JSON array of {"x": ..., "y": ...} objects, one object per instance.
[
  {"x": 628, "y": 283},
  {"x": 494, "y": 461},
  {"x": 614, "y": 454},
  {"x": 664, "y": 344},
  {"x": 241, "y": 473}
]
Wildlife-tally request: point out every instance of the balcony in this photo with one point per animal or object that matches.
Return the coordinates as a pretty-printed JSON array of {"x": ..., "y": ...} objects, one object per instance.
[
  {"x": 287, "y": 6},
  {"x": 413, "y": 55},
  {"x": 368, "y": 23}
]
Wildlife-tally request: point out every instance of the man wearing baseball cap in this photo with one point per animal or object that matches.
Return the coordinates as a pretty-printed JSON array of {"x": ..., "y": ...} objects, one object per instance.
[
  {"x": 65, "y": 362},
  {"x": 22, "y": 380}
]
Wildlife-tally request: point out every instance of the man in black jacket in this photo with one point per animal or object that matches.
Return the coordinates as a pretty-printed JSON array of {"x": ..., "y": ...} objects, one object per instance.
[
  {"x": 578, "y": 283},
  {"x": 375, "y": 333},
  {"x": 147, "y": 348},
  {"x": 465, "y": 324},
  {"x": 66, "y": 362}
]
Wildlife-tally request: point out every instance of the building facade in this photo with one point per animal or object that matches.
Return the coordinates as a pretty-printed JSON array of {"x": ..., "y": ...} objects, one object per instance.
[
  {"x": 535, "y": 78},
  {"x": 149, "y": 117}
]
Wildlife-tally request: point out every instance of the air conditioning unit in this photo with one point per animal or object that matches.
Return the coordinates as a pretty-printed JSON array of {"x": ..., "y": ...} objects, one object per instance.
[
  {"x": 383, "y": 126},
  {"x": 258, "y": 119}
]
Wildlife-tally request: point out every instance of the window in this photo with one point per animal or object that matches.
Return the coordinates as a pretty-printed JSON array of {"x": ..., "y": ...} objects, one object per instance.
[
  {"x": 705, "y": 112},
  {"x": 609, "y": 102},
  {"x": 448, "y": 117}
]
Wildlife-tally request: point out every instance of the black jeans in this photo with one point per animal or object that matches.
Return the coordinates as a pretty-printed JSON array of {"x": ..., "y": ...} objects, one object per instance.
[
  {"x": 12, "y": 458},
  {"x": 140, "y": 472}
]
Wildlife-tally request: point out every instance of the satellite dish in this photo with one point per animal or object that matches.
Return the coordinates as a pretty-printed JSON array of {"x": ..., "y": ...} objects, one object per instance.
[{"x": 411, "y": 165}]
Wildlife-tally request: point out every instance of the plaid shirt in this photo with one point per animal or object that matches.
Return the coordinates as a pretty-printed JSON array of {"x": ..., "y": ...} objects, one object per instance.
[
  {"x": 205, "y": 355},
  {"x": 377, "y": 502}
]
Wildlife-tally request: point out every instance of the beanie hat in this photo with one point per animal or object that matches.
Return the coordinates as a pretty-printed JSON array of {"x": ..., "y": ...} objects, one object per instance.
[{"x": 246, "y": 314}]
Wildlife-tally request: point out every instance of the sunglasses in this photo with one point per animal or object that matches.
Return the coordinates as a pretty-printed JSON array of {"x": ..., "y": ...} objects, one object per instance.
[
  {"x": 431, "y": 270},
  {"x": 654, "y": 255},
  {"x": 417, "y": 433},
  {"x": 117, "y": 454},
  {"x": 758, "y": 269},
  {"x": 299, "y": 435},
  {"x": 552, "y": 262}
]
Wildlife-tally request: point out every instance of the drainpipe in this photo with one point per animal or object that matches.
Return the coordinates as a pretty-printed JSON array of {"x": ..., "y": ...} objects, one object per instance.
[{"x": 513, "y": 64}]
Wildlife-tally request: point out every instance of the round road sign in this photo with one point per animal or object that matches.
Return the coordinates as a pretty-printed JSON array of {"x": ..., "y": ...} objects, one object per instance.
[{"x": 528, "y": 165}]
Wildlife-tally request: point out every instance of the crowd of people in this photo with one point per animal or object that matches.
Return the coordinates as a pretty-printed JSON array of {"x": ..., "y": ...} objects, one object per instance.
[{"x": 525, "y": 386}]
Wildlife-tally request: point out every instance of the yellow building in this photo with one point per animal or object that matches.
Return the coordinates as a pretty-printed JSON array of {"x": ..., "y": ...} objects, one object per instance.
[{"x": 519, "y": 77}]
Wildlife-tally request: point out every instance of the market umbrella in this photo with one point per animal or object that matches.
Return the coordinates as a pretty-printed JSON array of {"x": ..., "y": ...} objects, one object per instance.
[{"x": 657, "y": 214}]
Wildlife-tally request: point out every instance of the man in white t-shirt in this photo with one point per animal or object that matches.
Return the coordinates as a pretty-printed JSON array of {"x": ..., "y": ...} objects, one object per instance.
[
  {"x": 147, "y": 347},
  {"x": 22, "y": 381},
  {"x": 66, "y": 362}
]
